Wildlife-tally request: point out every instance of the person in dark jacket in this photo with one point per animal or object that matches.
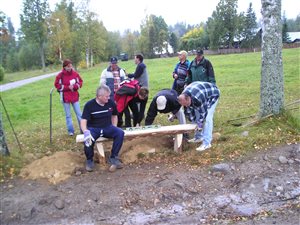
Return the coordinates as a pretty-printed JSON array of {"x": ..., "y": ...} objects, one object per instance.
[
  {"x": 67, "y": 83},
  {"x": 165, "y": 101},
  {"x": 142, "y": 76},
  {"x": 200, "y": 69}
]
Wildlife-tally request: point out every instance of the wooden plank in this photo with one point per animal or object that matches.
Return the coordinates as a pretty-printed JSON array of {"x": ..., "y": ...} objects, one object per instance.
[{"x": 174, "y": 129}]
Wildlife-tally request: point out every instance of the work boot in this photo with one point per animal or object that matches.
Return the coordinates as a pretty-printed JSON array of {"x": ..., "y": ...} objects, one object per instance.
[
  {"x": 115, "y": 164},
  {"x": 89, "y": 165}
]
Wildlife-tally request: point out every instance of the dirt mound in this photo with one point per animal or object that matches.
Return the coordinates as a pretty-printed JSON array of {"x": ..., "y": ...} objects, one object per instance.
[
  {"x": 61, "y": 165},
  {"x": 55, "y": 168}
]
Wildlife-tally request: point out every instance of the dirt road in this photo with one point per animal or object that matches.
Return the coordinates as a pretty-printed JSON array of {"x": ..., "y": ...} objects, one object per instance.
[{"x": 261, "y": 188}]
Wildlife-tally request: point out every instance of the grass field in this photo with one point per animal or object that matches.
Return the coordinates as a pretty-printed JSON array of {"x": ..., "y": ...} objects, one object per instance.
[{"x": 238, "y": 78}]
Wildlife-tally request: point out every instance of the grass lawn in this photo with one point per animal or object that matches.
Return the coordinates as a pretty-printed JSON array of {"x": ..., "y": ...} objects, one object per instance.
[{"x": 238, "y": 78}]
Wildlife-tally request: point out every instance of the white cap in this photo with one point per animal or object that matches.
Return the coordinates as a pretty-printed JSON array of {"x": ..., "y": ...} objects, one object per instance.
[{"x": 161, "y": 102}]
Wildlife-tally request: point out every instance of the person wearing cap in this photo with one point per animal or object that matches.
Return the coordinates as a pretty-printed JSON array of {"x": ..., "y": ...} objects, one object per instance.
[
  {"x": 142, "y": 76},
  {"x": 67, "y": 83},
  {"x": 112, "y": 76},
  {"x": 165, "y": 101},
  {"x": 180, "y": 72},
  {"x": 200, "y": 69},
  {"x": 200, "y": 100}
]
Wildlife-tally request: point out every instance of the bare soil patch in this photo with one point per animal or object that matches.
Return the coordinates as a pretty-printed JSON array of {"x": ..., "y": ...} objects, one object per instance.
[{"x": 260, "y": 188}]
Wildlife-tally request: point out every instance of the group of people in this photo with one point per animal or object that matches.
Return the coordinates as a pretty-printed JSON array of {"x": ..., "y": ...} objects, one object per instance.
[{"x": 194, "y": 95}]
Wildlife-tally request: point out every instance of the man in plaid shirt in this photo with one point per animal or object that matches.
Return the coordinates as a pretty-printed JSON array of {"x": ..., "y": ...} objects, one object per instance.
[{"x": 200, "y": 100}]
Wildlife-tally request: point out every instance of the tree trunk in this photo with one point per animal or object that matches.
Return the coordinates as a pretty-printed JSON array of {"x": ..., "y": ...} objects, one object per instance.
[
  {"x": 3, "y": 146},
  {"x": 92, "y": 58},
  {"x": 42, "y": 54},
  {"x": 87, "y": 57},
  {"x": 272, "y": 86}
]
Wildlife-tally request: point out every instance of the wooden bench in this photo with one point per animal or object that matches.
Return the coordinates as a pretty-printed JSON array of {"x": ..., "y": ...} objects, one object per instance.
[{"x": 176, "y": 130}]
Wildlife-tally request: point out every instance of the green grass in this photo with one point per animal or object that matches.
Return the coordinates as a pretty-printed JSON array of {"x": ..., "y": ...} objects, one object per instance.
[
  {"x": 237, "y": 75},
  {"x": 10, "y": 77}
]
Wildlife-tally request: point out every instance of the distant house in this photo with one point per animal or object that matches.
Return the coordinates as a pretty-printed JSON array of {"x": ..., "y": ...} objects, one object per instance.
[{"x": 294, "y": 37}]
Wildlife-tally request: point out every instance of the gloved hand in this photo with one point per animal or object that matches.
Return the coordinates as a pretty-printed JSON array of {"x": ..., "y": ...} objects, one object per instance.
[
  {"x": 171, "y": 117},
  {"x": 88, "y": 138}
]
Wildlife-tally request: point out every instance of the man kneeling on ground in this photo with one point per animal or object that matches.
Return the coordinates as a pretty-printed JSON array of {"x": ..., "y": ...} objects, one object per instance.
[{"x": 99, "y": 119}]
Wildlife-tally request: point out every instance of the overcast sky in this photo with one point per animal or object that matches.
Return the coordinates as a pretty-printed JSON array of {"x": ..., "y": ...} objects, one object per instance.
[{"x": 122, "y": 14}]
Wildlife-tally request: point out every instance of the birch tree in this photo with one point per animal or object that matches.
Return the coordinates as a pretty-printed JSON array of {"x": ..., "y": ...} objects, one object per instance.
[{"x": 271, "y": 85}]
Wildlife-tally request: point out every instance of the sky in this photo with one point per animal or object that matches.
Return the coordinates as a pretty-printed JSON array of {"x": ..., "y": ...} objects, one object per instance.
[{"x": 119, "y": 15}]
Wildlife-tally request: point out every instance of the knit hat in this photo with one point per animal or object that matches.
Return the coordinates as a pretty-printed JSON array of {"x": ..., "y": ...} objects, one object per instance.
[
  {"x": 161, "y": 102},
  {"x": 66, "y": 62}
]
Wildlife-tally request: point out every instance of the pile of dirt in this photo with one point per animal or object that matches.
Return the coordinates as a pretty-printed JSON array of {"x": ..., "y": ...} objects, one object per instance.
[
  {"x": 61, "y": 165},
  {"x": 55, "y": 168}
]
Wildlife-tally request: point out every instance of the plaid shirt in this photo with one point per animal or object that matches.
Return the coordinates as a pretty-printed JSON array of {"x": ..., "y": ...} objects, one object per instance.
[{"x": 203, "y": 96}]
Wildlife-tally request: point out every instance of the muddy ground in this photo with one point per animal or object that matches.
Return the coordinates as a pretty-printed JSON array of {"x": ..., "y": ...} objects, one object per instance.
[{"x": 260, "y": 188}]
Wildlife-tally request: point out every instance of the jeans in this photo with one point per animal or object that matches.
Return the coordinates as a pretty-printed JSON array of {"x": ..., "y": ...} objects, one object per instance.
[
  {"x": 76, "y": 108},
  {"x": 109, "y": 132},
  {"x": 180, "y": 116},
  {"x": 206, "y": 133}
]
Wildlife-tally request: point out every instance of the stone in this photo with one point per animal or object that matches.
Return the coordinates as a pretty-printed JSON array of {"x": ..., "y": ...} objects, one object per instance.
[
  {"x": 282, "y": 159},
  {"x": 222, "y": 167},
  {"x": 245, "y": 133},
  {"x": 59, "y": 204}
]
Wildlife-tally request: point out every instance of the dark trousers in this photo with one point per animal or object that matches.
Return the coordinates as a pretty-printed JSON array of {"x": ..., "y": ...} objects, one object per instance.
[
  {"x": 138, "y": 111},
  {"x": 126, "y": 112},
  {"x": 109, "y": 132}
]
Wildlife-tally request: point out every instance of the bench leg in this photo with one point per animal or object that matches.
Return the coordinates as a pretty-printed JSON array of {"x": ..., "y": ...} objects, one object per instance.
[
  {"x": 100, "y": 149},
  {"x": 178, "y": 142}
]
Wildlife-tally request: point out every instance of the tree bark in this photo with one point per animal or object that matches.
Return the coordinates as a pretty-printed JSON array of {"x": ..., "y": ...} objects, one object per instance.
[
  {"x": 3, "y": 146},
  {"x": 272, "y": 85}
]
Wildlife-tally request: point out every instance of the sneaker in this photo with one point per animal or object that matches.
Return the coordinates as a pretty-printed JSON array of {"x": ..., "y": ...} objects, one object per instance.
[
  {"x": 89, "y": 165},
  {"x": 71, "y": 133},
  {"x": 115, "y": 164},
  {"x": 195, "y": 140},
  {"x": 203, "y": 147}
]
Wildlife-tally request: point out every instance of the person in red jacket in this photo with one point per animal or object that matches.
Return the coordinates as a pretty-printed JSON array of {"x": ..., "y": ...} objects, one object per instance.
[
  {"x": 67, "y": 83},
  {"x": 127, "y": 95}
]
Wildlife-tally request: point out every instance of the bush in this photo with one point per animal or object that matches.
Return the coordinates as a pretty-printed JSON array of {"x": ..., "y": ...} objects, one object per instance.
[{"x": 1, "y": 73}]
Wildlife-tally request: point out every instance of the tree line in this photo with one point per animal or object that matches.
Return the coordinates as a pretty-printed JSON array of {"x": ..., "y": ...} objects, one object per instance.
[{"x": 72, "y": 31}]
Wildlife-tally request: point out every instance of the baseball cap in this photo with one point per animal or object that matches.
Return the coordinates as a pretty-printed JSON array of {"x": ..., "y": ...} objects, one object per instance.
[
  {"x": 182, "y": 53},
  {"x": 199, "y": 52},
  {"x": 114, "y": 60},
  {"x": 161, "y": 102}
]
